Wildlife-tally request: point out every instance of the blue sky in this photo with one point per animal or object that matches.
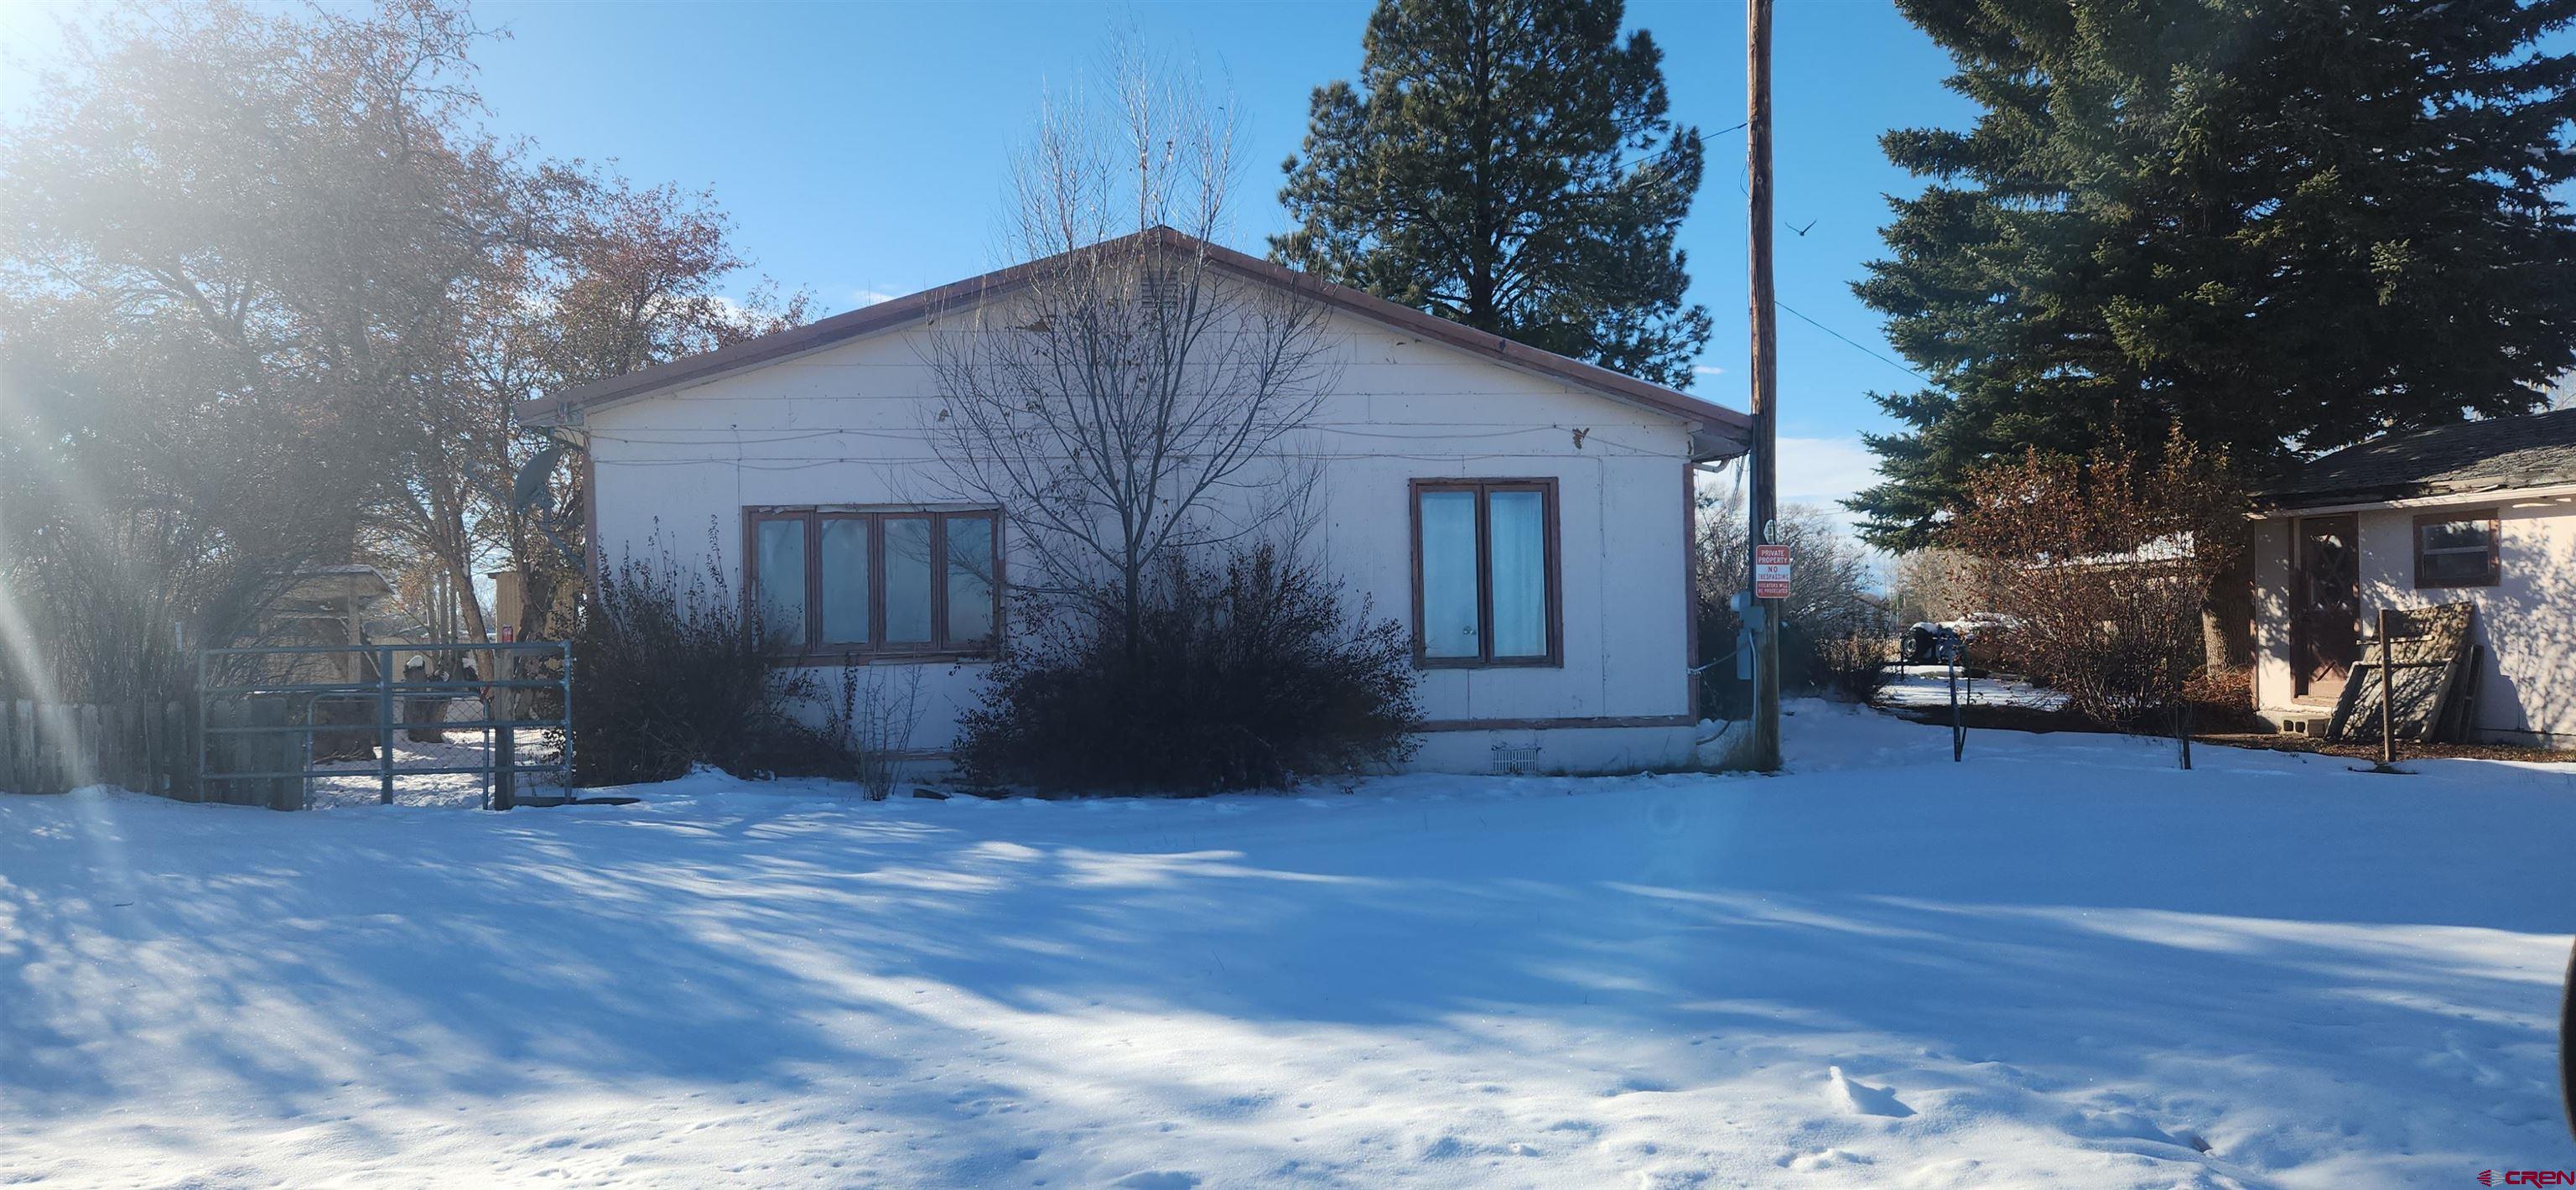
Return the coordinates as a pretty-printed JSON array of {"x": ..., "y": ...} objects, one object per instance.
[{"x": 860, "y": 148}]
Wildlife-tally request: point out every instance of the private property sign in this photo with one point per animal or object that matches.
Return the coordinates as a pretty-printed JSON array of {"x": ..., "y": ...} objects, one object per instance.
[{"x": 1770, "y": 572}]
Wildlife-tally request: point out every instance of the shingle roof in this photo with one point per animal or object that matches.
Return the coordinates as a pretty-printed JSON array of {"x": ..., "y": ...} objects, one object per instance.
[
  {"x": 1724, "y": 432},
  {"x": 2474, "y": 456}
]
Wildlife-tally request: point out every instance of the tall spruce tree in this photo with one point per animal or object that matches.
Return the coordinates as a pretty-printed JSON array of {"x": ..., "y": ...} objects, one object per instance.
[
  {"x": 1508, "y": 164},
  {"x": 2281, "y": 225}
]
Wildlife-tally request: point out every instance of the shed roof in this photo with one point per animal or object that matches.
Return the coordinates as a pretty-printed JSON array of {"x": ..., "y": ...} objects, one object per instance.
[
  {"x": 1723, "y": 432},
  {"x": 2496, "y": 454}
]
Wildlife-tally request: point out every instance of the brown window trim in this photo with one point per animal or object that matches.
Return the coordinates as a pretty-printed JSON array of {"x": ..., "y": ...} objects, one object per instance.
[
  {"x": 1485, "y": 658},
  {"x": 2495, "y": 547},
  {"x": 876, "y": 650}
]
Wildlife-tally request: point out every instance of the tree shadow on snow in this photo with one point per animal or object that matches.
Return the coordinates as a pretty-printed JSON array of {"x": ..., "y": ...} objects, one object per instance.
[{"x": 787, "y": 940}]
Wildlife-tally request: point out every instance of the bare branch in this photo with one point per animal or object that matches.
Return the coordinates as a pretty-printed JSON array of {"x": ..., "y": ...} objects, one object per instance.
[{"x": 1130, "y": 399}]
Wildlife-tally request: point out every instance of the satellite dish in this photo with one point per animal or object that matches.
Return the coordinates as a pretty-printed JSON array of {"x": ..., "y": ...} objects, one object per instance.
[{"x": 530, "y": 485}]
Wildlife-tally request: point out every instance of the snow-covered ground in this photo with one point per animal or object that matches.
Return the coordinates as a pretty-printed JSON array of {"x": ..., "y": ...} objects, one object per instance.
[
  {"x": 1917, "y": 687},
  {"x": 2060, "y": 963},
  {"x": 462, "y": 749}
]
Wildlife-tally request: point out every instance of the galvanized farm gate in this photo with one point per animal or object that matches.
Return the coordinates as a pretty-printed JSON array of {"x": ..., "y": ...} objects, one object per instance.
[{"x": 263, "y": 710}]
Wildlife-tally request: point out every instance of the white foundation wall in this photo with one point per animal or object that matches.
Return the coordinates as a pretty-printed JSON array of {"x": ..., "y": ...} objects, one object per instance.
[
  {"x": 2527, "y": 620},
  {"x": 847, "y": 425},
  {"x": 2273, "y": 681}
]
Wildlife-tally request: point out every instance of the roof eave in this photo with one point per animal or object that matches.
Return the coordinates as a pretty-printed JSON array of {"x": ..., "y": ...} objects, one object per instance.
[
  {"x": 2409, "y": 496},
  {"x": 1728, "y": 429}
]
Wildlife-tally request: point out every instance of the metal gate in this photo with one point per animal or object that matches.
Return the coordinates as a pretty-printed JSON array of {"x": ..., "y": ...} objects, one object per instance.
[{"x": 272, "y": 717}]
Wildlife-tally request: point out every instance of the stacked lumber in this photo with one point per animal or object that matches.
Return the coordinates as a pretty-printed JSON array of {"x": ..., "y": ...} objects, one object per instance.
[{"x": 2430, "y": 669}]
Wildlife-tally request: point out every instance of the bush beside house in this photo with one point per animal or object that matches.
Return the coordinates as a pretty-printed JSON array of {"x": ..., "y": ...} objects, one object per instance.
[{"x": 1247, "y": 673}]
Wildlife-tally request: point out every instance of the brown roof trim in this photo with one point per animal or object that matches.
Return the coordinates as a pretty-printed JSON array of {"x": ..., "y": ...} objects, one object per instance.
[{"x": 1714, "y": 418}]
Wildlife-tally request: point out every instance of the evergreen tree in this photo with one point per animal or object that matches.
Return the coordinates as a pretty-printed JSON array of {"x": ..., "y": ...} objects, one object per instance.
[
  {"x": 2278, "y": 225},
  {"x": 1508, "y": 164}
]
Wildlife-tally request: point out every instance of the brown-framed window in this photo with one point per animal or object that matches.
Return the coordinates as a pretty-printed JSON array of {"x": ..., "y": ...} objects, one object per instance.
[
  {"x": 2457, "y": 549},
  {"x": 832, "y": 582},
  {"x": 1485, "y": 573}
]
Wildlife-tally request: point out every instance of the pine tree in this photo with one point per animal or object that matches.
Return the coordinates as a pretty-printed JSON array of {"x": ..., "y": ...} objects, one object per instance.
[
  {"x": 2279, "y": 225},
  {"x": 1508, "y": 164}
]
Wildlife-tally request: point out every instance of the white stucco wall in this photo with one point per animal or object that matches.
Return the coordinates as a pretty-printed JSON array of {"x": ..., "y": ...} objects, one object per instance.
[
  {"x": 845, "y": 426},
  {"x": 2527, "y": 621}
]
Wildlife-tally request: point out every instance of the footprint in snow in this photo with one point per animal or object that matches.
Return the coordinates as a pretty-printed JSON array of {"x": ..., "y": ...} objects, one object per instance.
[
  {"x": 1157, "y": 1179},
  {"x": 1821, "y": 1159},
  {"x": 1861, "y": 1098},
  {"x": 1634, "y": 1084}
]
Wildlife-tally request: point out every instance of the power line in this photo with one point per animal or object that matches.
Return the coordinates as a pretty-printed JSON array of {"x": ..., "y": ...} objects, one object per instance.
[{"x": 1853, "y": 342}]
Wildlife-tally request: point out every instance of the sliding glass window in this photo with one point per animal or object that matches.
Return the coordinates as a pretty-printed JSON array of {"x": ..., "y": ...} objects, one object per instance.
[{"x": 1485, "y": 573}]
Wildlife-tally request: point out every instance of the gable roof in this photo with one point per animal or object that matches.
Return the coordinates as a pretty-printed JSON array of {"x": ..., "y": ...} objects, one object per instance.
[
  {"x": 2497, "y": 454},
  {"x": 1721, "y": 432}
]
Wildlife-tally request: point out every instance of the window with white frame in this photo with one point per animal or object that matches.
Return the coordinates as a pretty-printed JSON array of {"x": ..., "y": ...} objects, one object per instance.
[{"x": 2457, "y": 549}]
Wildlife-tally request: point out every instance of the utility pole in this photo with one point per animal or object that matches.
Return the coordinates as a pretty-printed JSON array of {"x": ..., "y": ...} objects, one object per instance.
[{"x": 1765, "y": 501}]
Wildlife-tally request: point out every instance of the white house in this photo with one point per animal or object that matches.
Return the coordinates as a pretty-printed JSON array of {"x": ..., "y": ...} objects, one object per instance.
[
  {"x": 2482, "y": 512},
  {"x": 1448, "y": 457}
]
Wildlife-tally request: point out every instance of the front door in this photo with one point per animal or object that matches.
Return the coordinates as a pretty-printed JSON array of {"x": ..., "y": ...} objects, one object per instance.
[{"x": 2326, "y": 630}]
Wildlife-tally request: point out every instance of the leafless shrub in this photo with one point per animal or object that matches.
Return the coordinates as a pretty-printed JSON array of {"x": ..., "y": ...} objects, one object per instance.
[
  {"x": 872, "y": 724},
  {"x": 1851, "y": 668},
  {"x": 1833, "y": 629},
  {"x": 1251, "y": 671},
  {"x": 2102, "y": 566}
]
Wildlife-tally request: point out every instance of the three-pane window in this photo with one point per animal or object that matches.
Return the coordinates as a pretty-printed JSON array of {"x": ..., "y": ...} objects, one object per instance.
[
  {"x": 2457, "y": 549},
  {"x": 834, "y": 582},
  {"x": 1485, "y": 572}
]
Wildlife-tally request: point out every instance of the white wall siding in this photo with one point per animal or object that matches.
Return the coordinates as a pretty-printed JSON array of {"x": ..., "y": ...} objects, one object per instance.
[
  {"x": 2527, "y": 621},
  {"x": 846, "y": 425},
  {"x": 2274, "y": 683}
]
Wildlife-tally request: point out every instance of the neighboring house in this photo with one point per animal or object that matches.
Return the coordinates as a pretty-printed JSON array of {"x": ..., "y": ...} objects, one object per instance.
[
  {"x": 1452, "y": 463},
  {"x": 2482, "y": 512}
]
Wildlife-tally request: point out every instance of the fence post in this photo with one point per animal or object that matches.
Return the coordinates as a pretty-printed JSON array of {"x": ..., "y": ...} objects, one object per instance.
[
  {"x": 197, "y": 724},
  {"x": 566, "y": 791},
  {"x": 1958, "y": 726},
  {"x": 147, "y": 747},
  {"x": 138, "y": 755},
  {"x": 127, "y": 746},
  {"x": 504, "y": 706},
  {"x": 174, "y": 749},
  {"x": 31, "y": 748},
  {"x": 30, "y": 761},
  {"x": 62, "y": 731},
  {"x": 2387, "y": 694},
  {"x": 283, "y": 793},
  {"x": 81, "y": 766},
  {"x": 385, "y": 725},
  {"x": 8, "y": 746}
]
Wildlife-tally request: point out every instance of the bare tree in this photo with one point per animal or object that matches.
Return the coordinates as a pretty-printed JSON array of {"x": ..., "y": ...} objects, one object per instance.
[
  {"x": 238, "y": 241},
  {"x": 1932, "y": 584},
  {"x": 1829, "y": 588},
  {"x": 1838, "y": 629},
  {"x": 1126, "y": 398},
  {"x": 628, "y": 281}
]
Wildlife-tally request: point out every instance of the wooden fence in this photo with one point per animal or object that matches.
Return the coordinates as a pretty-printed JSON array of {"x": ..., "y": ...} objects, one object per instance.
[{"x": 54, "y": 748}]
